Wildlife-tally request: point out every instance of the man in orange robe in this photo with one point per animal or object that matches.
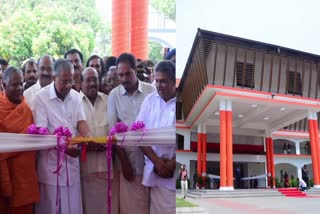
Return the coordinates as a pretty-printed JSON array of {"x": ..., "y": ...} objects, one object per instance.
[{"x": 18, "y": 179}]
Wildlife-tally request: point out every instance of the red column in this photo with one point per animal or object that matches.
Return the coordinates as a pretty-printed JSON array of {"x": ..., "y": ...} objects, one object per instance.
[
  {"x": 223, "y": 149},
  {"x": 316, "y": 134},
  {"x": 139, "y": 28},
  {"x": 268, "y": 161},
  {"x": 272, "y": 168},
  {"x": 120, "y": 27},
  {"x": 204, "y": 152},
  {"x": 199, "y": 162},
  {"x": 313, "y": 151},
  {"x": 229, "y": 149}
]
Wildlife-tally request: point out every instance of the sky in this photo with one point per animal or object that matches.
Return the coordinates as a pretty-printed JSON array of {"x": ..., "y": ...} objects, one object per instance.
[{"x": 293, "y": 24}]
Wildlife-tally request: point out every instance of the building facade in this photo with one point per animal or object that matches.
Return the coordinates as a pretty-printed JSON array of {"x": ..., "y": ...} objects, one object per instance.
[{"x": 248, "y": 108}]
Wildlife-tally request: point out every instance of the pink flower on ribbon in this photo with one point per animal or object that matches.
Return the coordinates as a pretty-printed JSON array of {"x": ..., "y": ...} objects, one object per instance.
[
  {"x": 43, "y": 131},
  {"x": 119, "y": 127},
  {"x": 38, "y": 131},
  {"x": 32, "y": 129},
  {"x": 139, "y": 125}
]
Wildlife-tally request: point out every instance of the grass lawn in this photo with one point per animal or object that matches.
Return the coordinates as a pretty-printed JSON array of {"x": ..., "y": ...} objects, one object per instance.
[{"x": 183, "y": 203}]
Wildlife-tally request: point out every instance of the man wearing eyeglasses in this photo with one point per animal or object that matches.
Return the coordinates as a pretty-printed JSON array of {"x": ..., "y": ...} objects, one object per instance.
[{"x": 59, "y": 105}]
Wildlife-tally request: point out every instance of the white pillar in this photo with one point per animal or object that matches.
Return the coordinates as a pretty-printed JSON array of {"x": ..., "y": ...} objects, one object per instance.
[
  {"x": 297, "y": 144},
  {"x": 299, "y": 172},
  {"x": 187, "y": 141}
]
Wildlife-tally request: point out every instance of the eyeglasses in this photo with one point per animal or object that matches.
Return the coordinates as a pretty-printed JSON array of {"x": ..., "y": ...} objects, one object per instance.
[{"x": 65, "y": 82}]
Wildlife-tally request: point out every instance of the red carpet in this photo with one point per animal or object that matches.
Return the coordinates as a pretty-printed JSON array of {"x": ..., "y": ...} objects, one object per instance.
[{"x": 292, "y": 192}]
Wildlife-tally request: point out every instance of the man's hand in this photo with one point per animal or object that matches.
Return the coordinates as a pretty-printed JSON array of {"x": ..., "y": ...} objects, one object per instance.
[
  {"x": 165, "y": 168},
  {"x": 127, "y": 168},
  {"x": 73, "y": 152},
  {"x": 127, "y": 171},
  {"x": 95, "y": 147}
]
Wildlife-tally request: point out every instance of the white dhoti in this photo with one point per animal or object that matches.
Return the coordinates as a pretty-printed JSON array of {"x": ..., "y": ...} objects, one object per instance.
[
  {"x": 94, "y": 195},
  {"x": 133, "y": 196},
  {"x": 162, "y": 200},
  {"x": 70, "y": 199}
]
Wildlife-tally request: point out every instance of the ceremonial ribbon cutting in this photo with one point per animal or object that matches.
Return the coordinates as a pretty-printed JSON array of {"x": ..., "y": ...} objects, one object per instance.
[{"x": 39, "y": 138}]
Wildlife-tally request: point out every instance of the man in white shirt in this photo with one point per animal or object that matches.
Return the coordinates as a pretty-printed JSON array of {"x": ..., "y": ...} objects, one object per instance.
[
  {"x": 45, "y": 66},
  {"x": 124, "y": 103},
  {"x": 94, "y": 169},
  {"x": 59, "y": 105},
  {"x": 302, "y": 184},
  {"x": 159, "y": 110}
]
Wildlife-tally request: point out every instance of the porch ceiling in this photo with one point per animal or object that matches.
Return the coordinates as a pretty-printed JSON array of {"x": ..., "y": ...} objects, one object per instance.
[{"x": 252, "y": 110}]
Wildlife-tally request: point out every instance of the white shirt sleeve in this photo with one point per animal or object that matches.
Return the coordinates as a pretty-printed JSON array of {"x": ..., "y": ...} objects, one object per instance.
[
  {"x": 142, "y": 116},
  {"x": 112, "y": 113},
  {"x": 80, "y": 113},
  {"x": 40, "y": 113}
]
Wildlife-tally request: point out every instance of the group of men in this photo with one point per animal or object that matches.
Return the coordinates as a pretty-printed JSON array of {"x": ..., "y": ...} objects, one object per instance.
[{"x": 67, "y": 95}]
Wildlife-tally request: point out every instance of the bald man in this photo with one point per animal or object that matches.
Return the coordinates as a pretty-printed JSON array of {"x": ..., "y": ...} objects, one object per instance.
[
  {"x": 18, "y": 180},
  {"x": 94, "y": 168}
]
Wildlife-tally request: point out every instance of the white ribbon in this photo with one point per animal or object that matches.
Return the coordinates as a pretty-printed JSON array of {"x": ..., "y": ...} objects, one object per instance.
[{"x": 10, "y": 142}]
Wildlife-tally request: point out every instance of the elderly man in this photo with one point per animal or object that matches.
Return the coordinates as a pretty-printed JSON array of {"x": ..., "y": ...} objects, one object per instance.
[
  {"x": 76, "y": 58},
  {"x": 45, "y": 64},
  {"x": 18, "y": 180},
  {"x": 58, "y": 105},
  {"x": 124, "y": 104},
  {"x": 94, "y": 168},
  {"x": 110, "y": 80},
  {"x": 159, "y": 110},
  {"x": 30, "y": 72}
]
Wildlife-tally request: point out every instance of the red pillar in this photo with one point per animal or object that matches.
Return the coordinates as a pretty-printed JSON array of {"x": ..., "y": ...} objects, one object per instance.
[
  {"x": 272, "y": 168},
  {"x": 223, "y": 146},
  {"x": 120, "y": 42},
  {"x": 268, "y": 161},
  {"x": 315, "y": 165},
  {"x": 229, "y": 146},
  {"x": 199, "y": 162},
  {"x": 204, "y": 151},
  {"x": 139, "y": 28},
  {"x": 316, "y": 134}
]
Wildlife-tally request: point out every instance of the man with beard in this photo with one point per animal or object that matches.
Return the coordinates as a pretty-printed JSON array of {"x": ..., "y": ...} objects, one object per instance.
[
  {"x": 159, "y": 110},
  {"x": 18, "y": 180},
  {"x": 30, "y": 72},
  {"x": 94, "y": 168},
  {"x": 59, "y": 105},
  {"x": 45, "y": 65},
  {"x": 76, "y": 58},
  {"x": 124, "y": 103}
]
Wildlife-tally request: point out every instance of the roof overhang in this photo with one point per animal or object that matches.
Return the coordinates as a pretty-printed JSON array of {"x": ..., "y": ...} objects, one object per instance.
[{"x": 252, "y": 110}]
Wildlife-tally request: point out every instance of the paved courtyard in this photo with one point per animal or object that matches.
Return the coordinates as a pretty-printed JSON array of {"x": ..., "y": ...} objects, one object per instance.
[{"x": 258, "y": 205}]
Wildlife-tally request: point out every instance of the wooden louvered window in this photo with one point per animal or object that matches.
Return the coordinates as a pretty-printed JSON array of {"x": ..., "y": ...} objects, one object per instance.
[
  {"x": 245, "y": 76},
  {"x": 294, "y": 83}
]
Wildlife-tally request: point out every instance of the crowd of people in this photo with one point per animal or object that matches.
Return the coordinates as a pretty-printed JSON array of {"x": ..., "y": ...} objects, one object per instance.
[{"x": 88, "y": 100}]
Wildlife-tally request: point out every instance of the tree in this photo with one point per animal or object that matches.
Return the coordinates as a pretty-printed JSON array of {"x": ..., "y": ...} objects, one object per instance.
[
  {"x": 167, "y": 7},
  {"x": 28, "y": 31},
  {"x": 155, "y": 51}
]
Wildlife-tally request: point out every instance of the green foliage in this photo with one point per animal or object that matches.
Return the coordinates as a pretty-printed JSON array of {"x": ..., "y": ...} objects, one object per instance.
[
  {"x": 293, "y": 183},
  {"x": 278, "y": 182},
  {"x": 167, "y": 7},
  {"x": 155, "y": 50},
  {"x": 31, "y": 28},
  {"x": 311, "y": 182},
  {"x": 200, "y": 181}
]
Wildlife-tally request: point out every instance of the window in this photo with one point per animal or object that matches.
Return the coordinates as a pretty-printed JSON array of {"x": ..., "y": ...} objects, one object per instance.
[
  {"x": 245, "y": 76},
  {"x": 294, "y": 83}
]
